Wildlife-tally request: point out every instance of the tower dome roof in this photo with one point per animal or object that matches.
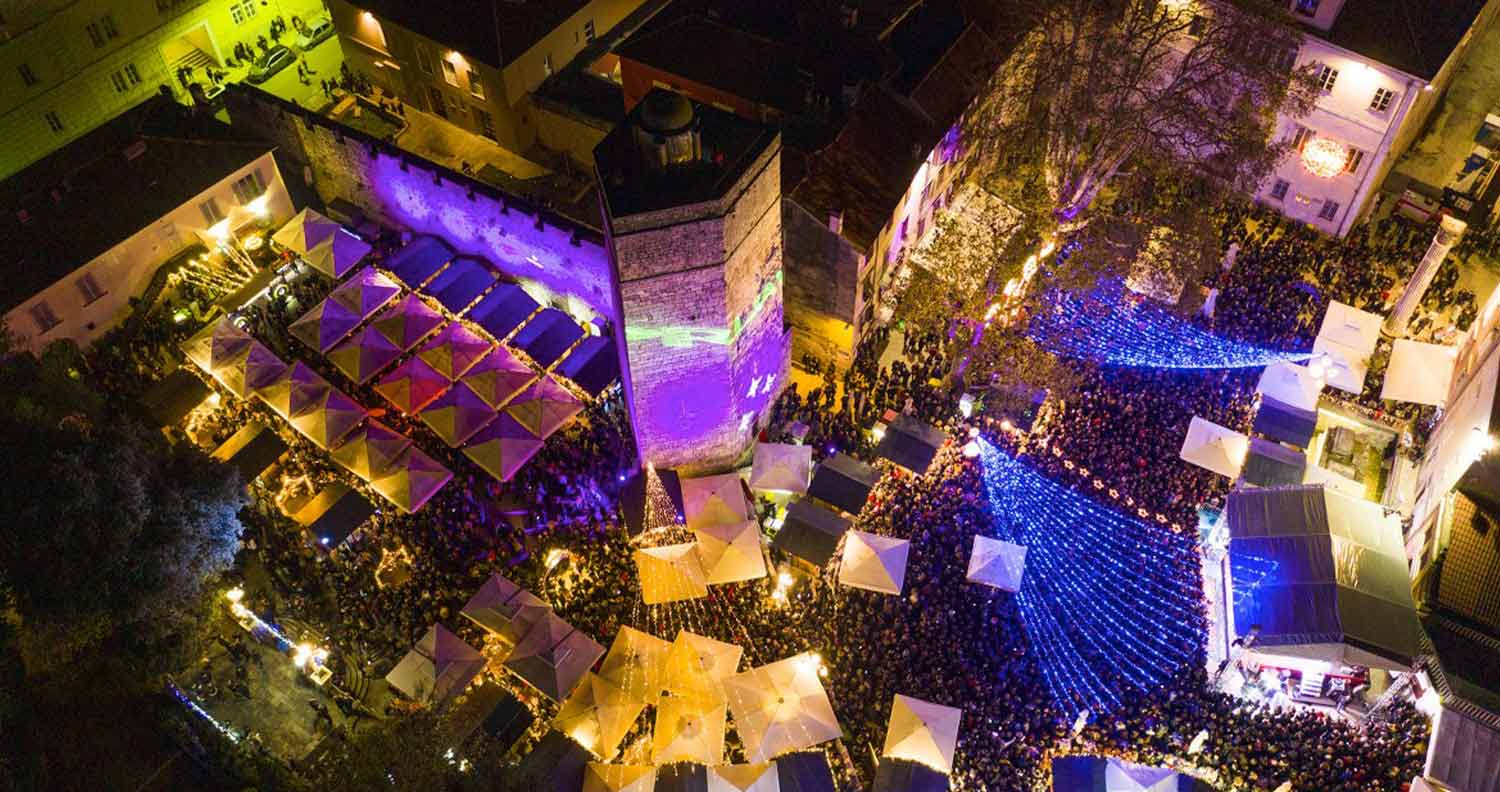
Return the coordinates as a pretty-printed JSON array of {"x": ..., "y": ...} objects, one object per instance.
[{"x": 666, "y": 113}]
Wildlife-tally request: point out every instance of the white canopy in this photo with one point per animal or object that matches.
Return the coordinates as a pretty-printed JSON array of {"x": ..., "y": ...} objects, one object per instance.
[
  {"x": 1214, "y": 447},
  {"x": 781, "y": 707},
  {"x": 731, "y": 552},
  {"x": 670, "y": 573},
  {"x": 781, "y": 467},
  {"x": 1357, "y": 330},
  {"x": 996, "y": 563},
  {"x": 1419, "y": 372},
  {"x": 697, "y": 666},
  {"x": 438, "y": 667},
  {"x": 1290, "y": 383},
  {"x": 873, "y": 562},
  {"x": 714, "y": 500},
  {"x": 598, "y": 715},
  {"x": 688, "y": 730},
  {"x": 1122, "y": 776},
  {"x": 760, "y": 777},
  {"x": 922, "y": 732},
  {"x": 1346, "y": 365}
]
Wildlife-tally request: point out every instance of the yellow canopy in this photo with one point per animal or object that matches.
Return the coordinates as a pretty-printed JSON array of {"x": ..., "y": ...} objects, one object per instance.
[
  {"x": 329, "y": 418},
  {"x": 697, "y": 666},
  {"x": 759, "y": 777},
  {"x": 637, "y": 662},
  {"x": 731, "y": 552},
  {"x": 370, "y": 450},
  {"x": 297, "y": 390},
  {"x": 412, "y": 479},
  {"x": 670, "y": 573},
  {"x": 688, "y": 730},
  {"x": 922, "y": 732},
  {"x": 305, "y": 231},
  {"x": 619, "y": 778},
  {"x": 781, "y": 707},
  {"x": 598, "y": 715}
]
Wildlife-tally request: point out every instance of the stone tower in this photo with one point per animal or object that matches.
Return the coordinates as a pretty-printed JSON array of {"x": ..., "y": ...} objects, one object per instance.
[{"x": 691, "y": 198}]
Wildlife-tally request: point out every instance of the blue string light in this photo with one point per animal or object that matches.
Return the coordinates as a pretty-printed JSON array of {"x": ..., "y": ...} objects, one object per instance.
[
  {"x": 202, "y": 713},
  {"x": 1114, "y": 328},
  {"x": 1106, "y": 601}
]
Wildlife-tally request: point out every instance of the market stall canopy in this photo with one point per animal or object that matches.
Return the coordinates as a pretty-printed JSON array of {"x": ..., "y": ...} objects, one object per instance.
[
  {"x": 454, "y": 350},
  {"x": 370, "y": 450},
  {"x": 619, "y": 778},
  {"x": 714, "y": 500},
  {"x": 1331, "y": 580},
  {"x": 499, "y": 376},
  {"x": 1097, "y": 774},
  {"x": 218, "y": 346},
  {"x": 1346, "y": 366},
  {"x": 1216, "y": 448},
  {"x": 553, "y": 657},
  {"x": 810, "y": 532},
  {"x": 457, "y": 414},
  {"x": 460, "y": 284},
  {"x": 731, "y": 553},
  {"x": 682, "y": 777},
  {"x": 508, "y": 721},
  {"x": 1273, "y": 465},
  {"x": 1431, "y": 785},
  {"x": 781, "y": 707},
  {"x": 411, "y": 480},
  {"x": 366, "y": 292},
  {"x": 688, "y": 730},
  {"x": 329, "y": 418},
  {"x": 804, "y": 771},
  {"x": 322, "y": 328},
  {"x": 760, "y": 777},
  {"x": 1291, "y": 383},
  {"x": 873, "y": 562},
  {"x": 416, "y": 263},
  {"x": 547, "y": 337},
  {"x": 545, "y": 407},
  {"x": 698, "y": 665},
  {"x": 333, "y": 514},
  {"x": 911, "y": 443},
  {"x": 437, "y": 668},
  {"x": 504, "y": 608},
  {"x": 502, "y": 447},
  {"x": 996, "y": 563},
  {"x": 670, "y": 573},
  {"x": 244, "y": 376},
  {"x": 298, "y": 389},
  {"x": 337, "y": 255},
  {"x": 1356, "y": 330},
  {"x": 598, "y": 715},
  {"x": 364, "y": 355},
  {"x": 1419, "y": 373},
  {"x": 637, "y": 661},
  {"x": 411, "y": 385},
  {"x": 503, "y": 310},
  {"x": 558, "y": 764},
  {"x": 174, "y": 396},
  {"x": 923, "y": 732},
  {"x": 251, "y": 450},
  {"x": 593, "y": 365},
  {"x": 781, "y": 467},
  {"x": 305, "y": 231},
  {"x": 899, "y": 775},
  {"x": 1285, "y": 423},
  {"x": 843, "y": 482},
  {"x": 407, "y": 321}
]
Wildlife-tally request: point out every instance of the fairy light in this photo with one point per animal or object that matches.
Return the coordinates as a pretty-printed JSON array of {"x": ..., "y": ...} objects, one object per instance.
[
  {"x": 1112, "y": 329},
  {"x": 194, "y": 707},
  {"x": 1324, "y": 158},
  {"x": 1106, "y": 608}
]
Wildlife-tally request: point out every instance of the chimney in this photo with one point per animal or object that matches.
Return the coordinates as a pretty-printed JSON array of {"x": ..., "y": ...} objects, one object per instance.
[{"x": 836, "y": 221}]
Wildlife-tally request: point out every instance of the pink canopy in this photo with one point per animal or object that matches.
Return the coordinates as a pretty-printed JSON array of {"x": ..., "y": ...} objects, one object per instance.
[{"x": 411, "y": 385}]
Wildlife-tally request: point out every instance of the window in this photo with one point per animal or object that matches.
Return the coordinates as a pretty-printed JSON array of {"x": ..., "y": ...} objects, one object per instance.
[
  {"x": 45, "y": 319},
  {"x": 1351, "y": 165},
  {"x": 249, "y": 187},
  {"x": 1327, "y": 76},
  {"x": 424, "y": 59},
  {"x": 435, "y": 100},
  {"x": 1197, "y": 25},
  {"x": 53, "y": 122},
  {"x": 1382, "y": 99},
  {"x": 588, "y": 30},
  {"x": 96, "y": 36},
  {"x": 125, "y": 79},
  {"x": 547, "y": 65},
  {"x": 485, "y": 123},
  {"x": 476, "y": 85},
  {"x": 89, "y": 288},
  {"x": 107, "y": 24},
  {"x": 1308, "y": 7},
  {"x": 450, "y": 73},
  {"x": 457, "y": 107},
  {"x": 1278, "y": 190},
  {"x": 242, "y": 11},
  {"x": 210, "y": 210},
  {"x": 1329, "y": 211},
  {"x": 1301, "y": 136},
  {"x": 27, "y": 75}
]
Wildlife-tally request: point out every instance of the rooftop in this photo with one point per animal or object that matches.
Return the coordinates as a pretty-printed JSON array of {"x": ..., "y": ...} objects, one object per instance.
[
  {"x": 730, "y": 145},
  {"x": 494, "y": 31},
  {"x": 1415, "y": 36},
  {"x": 83, "y": 199},
  {"x": 744, "y": 64}
]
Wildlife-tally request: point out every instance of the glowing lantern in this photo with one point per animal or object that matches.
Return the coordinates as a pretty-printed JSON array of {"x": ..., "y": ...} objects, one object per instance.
[{"x": 1324, "y": 157}]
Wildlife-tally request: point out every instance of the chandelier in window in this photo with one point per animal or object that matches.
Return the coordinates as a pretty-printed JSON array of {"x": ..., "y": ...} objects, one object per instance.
[{"x": 1324, "y": 157}]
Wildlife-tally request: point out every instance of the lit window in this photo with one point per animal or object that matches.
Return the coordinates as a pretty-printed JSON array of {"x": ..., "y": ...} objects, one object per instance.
[
  {"x": 210, "y": 210},
  {"x": 424, "y": 59},
  {"x": 1301, "y": 136},
  {"x": 450, "y": 73},
  {"x": 89, "y": 288},
  {"x": 476, "y": 85},
  {"x": 53, "y": 122},
  {"x": 588, "y": 30},
  {"x": 547, "y": 65},
  {"x": 27, "y": 75},
  {"x": 1382, "y": 99},
  {"x": 1279, "y": 188},
  {"x": 1351, "y": 165},
  {"x": 486, "y": 124},
  {"x": 249, "y": 187},
  {"x": 1329, "y": 211},
  {"x": 1327, "y": 76},
  {"x": 242, "y": 12},
  {"x": 45, "y": 319},
  {"x": 1308, "y": 7}
]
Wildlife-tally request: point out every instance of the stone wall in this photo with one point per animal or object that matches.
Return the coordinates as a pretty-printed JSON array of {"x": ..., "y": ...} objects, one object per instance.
[{"x": 822, "y": 273}]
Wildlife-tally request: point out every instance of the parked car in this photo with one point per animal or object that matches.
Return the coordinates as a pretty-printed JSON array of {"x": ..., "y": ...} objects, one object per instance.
[
  {"x": 275, "y": 59},
  {"x": 317, "y": 31}
]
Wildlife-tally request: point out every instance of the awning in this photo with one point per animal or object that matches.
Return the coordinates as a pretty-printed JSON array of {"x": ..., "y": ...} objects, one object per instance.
[
  {"x": 810, "y": 532},
  {"x": 1285, "y": 423},
  {"x": 898, "y": 775},
  {"x": 731, "y": 553},
  {"x": 407, "y": 321},
  {"x": 1097, "y": 774},
  {"x": 456, "y": 415},
  {"x": 1291, "y": 383},
  {"x": 370, "y": 450},
  {"x": 544, "y": 408},
  {"x": 437, "y": 668},
  {"x": 637, "y": 661},
  {"x": 670, "y": 573},
  {"x": 843, "y": 482},
  {"x": 324, "y": 326},
  {"x": 504, "y": 609},
  {"x": 553, "y": 657},
  {"x": 499, "y": 377},
  {"x": 911, "y": 443},
  {"x": 804, "y": 771},
  {"x": 1214, "y": 448},
  {"x": 416, "y": 263},
  {"x": 412, "y": 480},
  {"x": 460, "y": 284},
  {"x": 1273, "y": 465},
  {"x": 873, "y": 562},
  {"x": 547, "y": 336},
  {"x": 502, "y": 447},
  {"x": 251, "y": 450},
  {"x": 781, "y": 707},
  {"x": 688, "y": 730},
  {"x": 174, "y": 396},
  {"x": 503, "y": 310},
  {"x": 1419, "y": 373},
  {"x": 996, "y": 563},
  {"x": 334, "y": 514},
  {"x": 697, "y": 666},
  {"x": 411, "y": 385},
  {"x": 366, "y": 292},
  {"x": 1329, "y": 576},
  {"x": 714, "y": 500},
  {"x": 257, "y": 368},
  {"x": 781, "y": 467},
  {"x": 364, "y": 355},
  {"x": 923, "y": 732},
  {"x": 593, "y": 366},
  {"x": 598, "y": 714},
  {"x": 454, "y": 350}
]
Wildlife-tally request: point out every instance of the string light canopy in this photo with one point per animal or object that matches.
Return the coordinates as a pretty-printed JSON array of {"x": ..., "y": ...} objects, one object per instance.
[
  {"x": 1109, "y": 603},
  {"x": 1324, "y": 158}
]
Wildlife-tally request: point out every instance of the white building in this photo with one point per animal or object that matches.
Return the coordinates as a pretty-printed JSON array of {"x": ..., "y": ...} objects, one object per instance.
[
  {"x": 87, "y": 227},
  {"x": 1382, "y": 68}
]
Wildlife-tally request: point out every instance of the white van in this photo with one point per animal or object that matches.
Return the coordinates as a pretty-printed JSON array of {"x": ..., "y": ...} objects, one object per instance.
[{"x": 317, "y": 31}]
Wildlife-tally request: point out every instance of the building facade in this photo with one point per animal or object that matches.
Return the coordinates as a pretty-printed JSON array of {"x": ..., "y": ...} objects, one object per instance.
[{"x": 68, "y": 66}]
